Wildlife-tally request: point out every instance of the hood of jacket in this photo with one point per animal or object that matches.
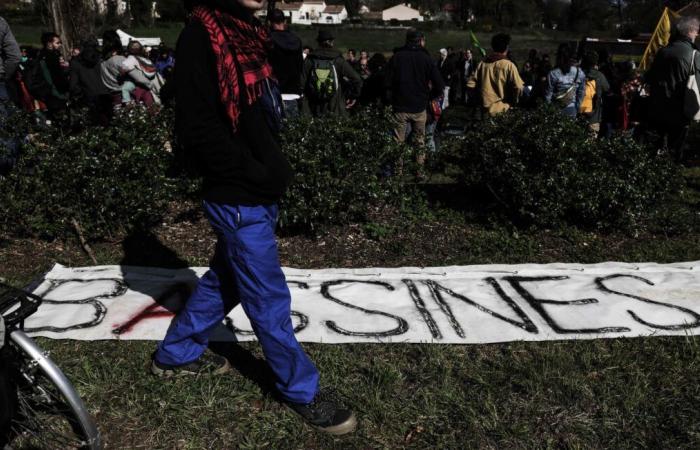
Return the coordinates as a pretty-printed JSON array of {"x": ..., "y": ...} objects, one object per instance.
[{"x": 326, "y": 53}]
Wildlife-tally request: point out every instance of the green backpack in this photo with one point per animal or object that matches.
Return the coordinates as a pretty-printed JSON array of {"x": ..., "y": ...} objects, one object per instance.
[{"x": 323, "y": 82}]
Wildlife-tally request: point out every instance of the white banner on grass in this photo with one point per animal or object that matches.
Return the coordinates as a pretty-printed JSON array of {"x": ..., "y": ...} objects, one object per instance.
[{"x": 455, "y": 305}]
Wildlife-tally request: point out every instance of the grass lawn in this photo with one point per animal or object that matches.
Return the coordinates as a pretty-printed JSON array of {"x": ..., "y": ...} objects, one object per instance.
[
  {"x": 372, "y": 40},
  {"x": 623, "y": 393}
]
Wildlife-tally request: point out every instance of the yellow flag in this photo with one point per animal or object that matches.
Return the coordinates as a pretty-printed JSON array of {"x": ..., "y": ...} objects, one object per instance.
[{"x": 660, "y": 38}]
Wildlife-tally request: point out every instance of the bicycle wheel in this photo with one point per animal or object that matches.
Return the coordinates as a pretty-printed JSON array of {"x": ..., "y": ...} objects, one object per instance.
[{"x": 50, "y": 413}]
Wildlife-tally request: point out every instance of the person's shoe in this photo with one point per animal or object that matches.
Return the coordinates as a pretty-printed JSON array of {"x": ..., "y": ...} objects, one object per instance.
[
  {"x": 208, "y": 363},
  {"x": 326, "y": 414}
]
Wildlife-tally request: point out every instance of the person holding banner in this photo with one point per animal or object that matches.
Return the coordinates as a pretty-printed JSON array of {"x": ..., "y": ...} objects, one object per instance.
[
  {"x": 227, "y": 120},
  {"x": 667, "y": 78}
]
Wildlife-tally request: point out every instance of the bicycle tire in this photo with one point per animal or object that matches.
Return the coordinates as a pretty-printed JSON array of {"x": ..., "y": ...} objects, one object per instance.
[{"x": 51, "y": 413}]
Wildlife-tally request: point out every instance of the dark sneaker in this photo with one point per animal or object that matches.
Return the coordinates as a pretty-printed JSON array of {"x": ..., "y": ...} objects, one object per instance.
[
  {"x": 208, "y": 363},
  {"x": 325, "y": 413}
]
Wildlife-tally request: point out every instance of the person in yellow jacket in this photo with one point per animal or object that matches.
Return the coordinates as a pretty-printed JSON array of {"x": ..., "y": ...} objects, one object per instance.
[{"x": 496, "y": 79}]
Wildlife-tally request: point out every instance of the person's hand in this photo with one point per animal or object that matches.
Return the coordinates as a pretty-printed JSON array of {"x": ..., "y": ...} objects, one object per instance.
[{"x": 350, "y": 103}]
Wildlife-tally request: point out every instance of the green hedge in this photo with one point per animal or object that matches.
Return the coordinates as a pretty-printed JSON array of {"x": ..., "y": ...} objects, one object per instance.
[
  {"x": 109, "y": 179},
  {"x": 119, "y": 178},
  {"x": 544, "y": 169},
  {"x": 340, "y": 167}
]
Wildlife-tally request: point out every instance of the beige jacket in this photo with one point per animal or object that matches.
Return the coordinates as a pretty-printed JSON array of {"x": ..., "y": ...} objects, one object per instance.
[{"x": 499, "y": 85}]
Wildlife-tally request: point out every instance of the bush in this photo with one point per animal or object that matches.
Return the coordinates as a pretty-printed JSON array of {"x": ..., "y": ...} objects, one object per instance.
[
  {"x": 545, "y": 169},
  {"x": 340, "y": 167},
  {"x": 109, "y": 179}
]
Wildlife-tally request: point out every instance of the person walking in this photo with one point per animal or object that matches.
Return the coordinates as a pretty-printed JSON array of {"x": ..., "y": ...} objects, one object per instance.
[
  {"x": 412, "y": 81},
  {"x": 667, "y": 78},
  {"x": 331, "y": 85},
  {"x": 223, "y": 122},
  {"x": 287, "y": 61},
  {"x": 566, "y": 83},
  {"x": 496, "y": 79}
]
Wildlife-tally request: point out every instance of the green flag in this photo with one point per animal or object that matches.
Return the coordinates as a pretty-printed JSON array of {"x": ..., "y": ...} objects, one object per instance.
[{"x": 475, "y": 43}]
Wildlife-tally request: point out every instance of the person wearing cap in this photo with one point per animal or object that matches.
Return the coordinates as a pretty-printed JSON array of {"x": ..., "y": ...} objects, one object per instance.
[
  {"x": 348, "y": 83},
  {"x": 412, "y": 81},
  {"x": 287, "y": 61}
]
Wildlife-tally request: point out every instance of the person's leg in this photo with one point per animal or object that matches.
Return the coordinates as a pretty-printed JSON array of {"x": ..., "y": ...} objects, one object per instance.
[
  {"x": 677, "y": 134},
  {"x": 188, "y": 335},
  {"x": 127, "y": 88},
  {"x": 251, "y": 252},
  {"x": 418, "y": 123},
  {"x": 400, "y": 126},
  {"x": 430, "y": 136}
]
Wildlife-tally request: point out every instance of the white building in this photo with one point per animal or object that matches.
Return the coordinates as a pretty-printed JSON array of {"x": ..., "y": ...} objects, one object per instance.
[
  {"x": 402, "y": 13},
  {"x": 334, "y": 14},
  {"x": 313, "y": 11}
]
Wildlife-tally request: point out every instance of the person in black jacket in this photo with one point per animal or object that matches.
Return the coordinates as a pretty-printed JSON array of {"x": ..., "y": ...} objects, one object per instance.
[
  {"x": 226, "y": 125},
  {"x": 56, "y": 80},
  {"x": 86, "y": 86},
  {"x": 412, "y": 80},
  {"x": 287, "y": 61},
  {"x": 667, "y": 78}
]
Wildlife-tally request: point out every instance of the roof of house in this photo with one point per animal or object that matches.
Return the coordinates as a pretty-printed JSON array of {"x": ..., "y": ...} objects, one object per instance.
[
  {"x": 401, "y": 6},
  {"x": 290, "y": 6},
  {"x": 334, "y": 9}
]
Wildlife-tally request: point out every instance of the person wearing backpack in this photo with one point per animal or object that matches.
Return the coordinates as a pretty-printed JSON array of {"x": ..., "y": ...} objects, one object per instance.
[
  {"x": 331, "y": 85},
  {"x": 596, "y": 87},
  {"x": 566, "y": 83},
  {"x": 668, "y": 78}
]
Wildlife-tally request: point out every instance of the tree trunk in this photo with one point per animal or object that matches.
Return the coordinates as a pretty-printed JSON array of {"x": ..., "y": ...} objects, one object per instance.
[{"x": 73, "y": 20}]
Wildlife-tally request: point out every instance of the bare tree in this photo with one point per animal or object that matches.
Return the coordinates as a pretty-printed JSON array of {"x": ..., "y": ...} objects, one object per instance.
[{"x": 73, "y": 20}]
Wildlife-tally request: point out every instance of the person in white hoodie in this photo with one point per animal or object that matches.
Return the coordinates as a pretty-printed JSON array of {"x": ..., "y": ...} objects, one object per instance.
[{"x": 140, "y": 72}]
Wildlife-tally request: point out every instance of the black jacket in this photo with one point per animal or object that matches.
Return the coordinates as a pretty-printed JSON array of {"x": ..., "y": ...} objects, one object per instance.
[
  {"x": 667, "y": 79},
  {"x": 86, "y": 79},
  {"x": 287, "y": 61},
  {"x": 412, "y": 78},
  {"x": 246, "y": 167}
]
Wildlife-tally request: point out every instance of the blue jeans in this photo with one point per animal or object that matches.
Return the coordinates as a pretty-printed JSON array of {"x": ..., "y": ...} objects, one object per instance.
[{"x": 245, "y": 269}]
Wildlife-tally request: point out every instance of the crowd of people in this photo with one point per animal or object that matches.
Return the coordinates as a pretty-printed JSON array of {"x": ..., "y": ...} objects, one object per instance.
[
  {"x": 98, "y": 76},
  {"x": 611, "y": 96}
]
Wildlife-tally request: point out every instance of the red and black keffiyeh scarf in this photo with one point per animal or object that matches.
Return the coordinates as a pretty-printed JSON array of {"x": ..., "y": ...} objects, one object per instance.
[{"x": 238, "y": 46}]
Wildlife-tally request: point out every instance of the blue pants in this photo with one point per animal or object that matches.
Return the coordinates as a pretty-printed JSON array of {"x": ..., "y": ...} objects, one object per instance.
[{"x": 245, "y": 269}]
